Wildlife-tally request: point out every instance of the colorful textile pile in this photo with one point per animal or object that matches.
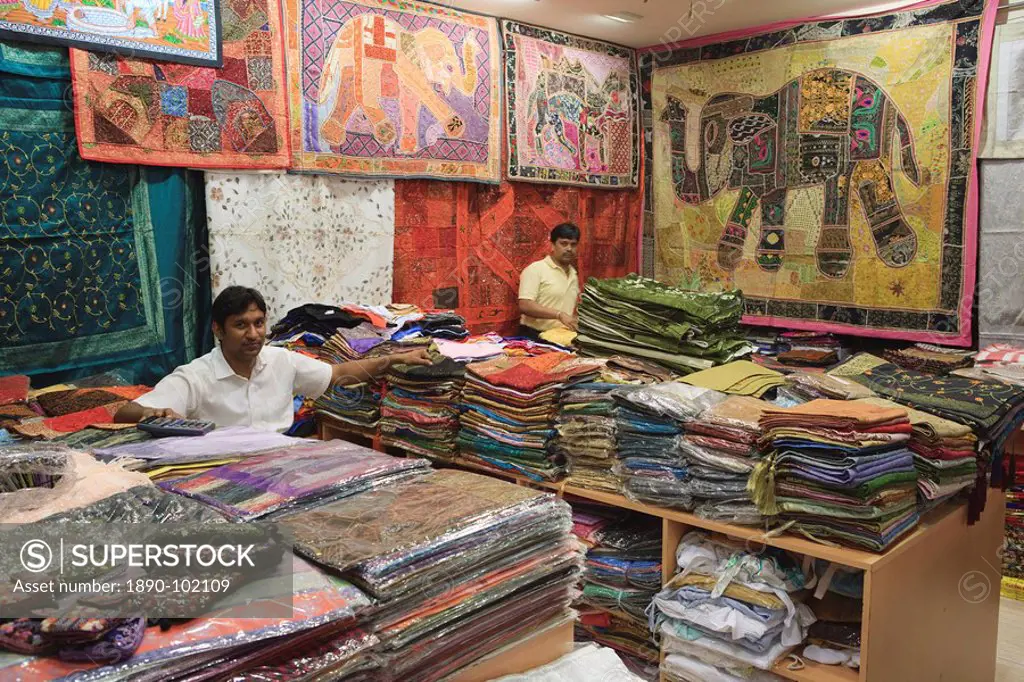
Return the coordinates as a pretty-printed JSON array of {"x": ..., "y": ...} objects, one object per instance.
[
  {"x": 490, "y": 562},
  {"x": 840, "y": 470},
  {"x": 945, "y": 454},
  {"x": 67, "y": 410},
  {"x": 508, "y": 408},
  {"x": 729, "y": 607},
  {"x": 278, "y": 483},
  {"x": 103, "y": 641},
  {"x": 650, "y": 419},
  {"x": 419, "y": 410},
  {"x": 318, "y": 319},
  {"x": 720, "y": 447},
  {"x": 356, "y": 406},
  {"x": 439, "y": 325},
  {"x": 586, "y": 435},
  {"x": 930, "y": 359},
  {"x": 228, "y": 442},
  {"x": 682, "y": 330},
  {"x": 741, "y": 377},
  {"x": 1000, "y": 353}
]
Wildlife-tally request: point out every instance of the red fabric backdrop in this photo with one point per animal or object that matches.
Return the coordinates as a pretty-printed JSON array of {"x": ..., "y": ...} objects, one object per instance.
[{"x": 462, "y": 245}]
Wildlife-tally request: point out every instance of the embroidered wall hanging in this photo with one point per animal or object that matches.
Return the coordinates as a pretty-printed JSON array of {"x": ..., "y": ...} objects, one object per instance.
[
  {"x": 139, "y": 111},
  {"x": 496, "y": 232},
  {"x": 827, "y": 170},
  {"x": 393, "y": 89},
  {"x": 181, "y": 31},
  {"x": 571, "y": 106}
]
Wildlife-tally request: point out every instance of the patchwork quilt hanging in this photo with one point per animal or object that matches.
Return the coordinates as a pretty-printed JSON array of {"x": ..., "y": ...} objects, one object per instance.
[
  {"x": 393, "y": 89},
  {"x": 180, "y": 31},
  {"x": 131, "y": 110},
  {"x": 571, "y": 108},
  {"x": 827, "y": 170},
  {"x": 496, "y": 232}
]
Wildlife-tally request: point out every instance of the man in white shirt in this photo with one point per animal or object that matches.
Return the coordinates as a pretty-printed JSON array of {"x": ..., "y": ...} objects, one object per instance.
[{"x": 243, "y": 382}]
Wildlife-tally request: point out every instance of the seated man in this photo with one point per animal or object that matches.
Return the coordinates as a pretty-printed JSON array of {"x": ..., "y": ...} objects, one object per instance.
[
  {"x": 549, "y": 288},
  {"x": 243, "y": 382}
]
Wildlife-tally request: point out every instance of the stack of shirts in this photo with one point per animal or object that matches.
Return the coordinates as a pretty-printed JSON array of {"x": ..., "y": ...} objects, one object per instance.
[
  {"x": 586, "y": 435},
  {"x": 419, "y": 410},
  {"x": 278, "y": 483},
  {"x": 508, "y": 408},
  {"x": 651, "y": 468},
  {"x": 721, "y": 450},
  {"x": 737, "y": 378},
  {"x": 839, "y": 470},
  {"x": 322, "y": 321},
  {"x": 682, "y": 330},
  {"x": 945, "y": 454},
  {"x": 440, "y": 325},
  {"x": 488, "y": 565},
  {"x": 930, "y": 359},
  {"x": 729, "y": 608},
  {"x": 621, "y": 576}
]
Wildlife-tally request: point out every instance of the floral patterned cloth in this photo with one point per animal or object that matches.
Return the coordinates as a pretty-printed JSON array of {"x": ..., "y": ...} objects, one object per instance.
[{"x": 300, "y": 238}]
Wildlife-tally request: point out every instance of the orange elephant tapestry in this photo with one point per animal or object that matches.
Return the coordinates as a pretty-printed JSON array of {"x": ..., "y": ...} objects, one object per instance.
[{"x": 386, "y": 89}]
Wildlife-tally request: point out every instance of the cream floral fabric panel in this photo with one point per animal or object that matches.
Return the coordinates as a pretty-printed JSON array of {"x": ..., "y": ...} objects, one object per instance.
[{"x": 302, "y": 238}]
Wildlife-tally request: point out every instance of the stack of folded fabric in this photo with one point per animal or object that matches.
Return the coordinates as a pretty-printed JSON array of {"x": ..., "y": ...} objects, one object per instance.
[
  {"x": 491, "y": 563},
  {"x": 737, "y": 378},
  {"x": 945, "y": 454},
  {"x": 472, "y": 349},
  {"x": 356, "y": 406},
  {"x": 729, "y": 608},
  {"x": 67, "y": 410},
  {"x": 682, "y": 330},
  {"x": 804, "y": 387},
  {"x": 720, "y": 447},
  {"x": 930, "y": 359},
  {"x": 586, "y": 435},
  {"x": 319, "y": 320},
  {"x": 839, "y": 470},
  {"x": 419, "y": 410},
  {"x": 229, "y": 443},
  {"x": 508, "y": 409},
  {"x": 439, "y": 325},
  {"x": 810, "y": 349},
  {"x": 650, "y": 418},
  {"x": 278, "y": 483}
]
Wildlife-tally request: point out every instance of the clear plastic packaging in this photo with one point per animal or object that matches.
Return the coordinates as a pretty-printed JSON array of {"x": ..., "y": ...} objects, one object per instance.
[
  {"x": 714, "y": 458},
  {"x": 659, "y": 492},
  {"x": 680, "y": 402}
]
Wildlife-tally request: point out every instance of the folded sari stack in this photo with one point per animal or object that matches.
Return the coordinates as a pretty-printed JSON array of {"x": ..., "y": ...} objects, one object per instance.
[
  {"x": 491, "y": 563},
  {"x": 355, "y": 407},
  {"x": 651, "y": 467},
  {"x": 945, "y": 454},
  {"x": 729, "y": 608},
  {"x": 681, "y": 330},
  {"x": 586, "y": 435},
  {"x": 720, "y": 447},
  {"x": 930, "y": 359},
  {"x": 839, "y": 470},
  {"x": 508, "y": 409},
  {"x": 741, "y": 377},
  {"x": 279, "y": 483},
  {"x": 419, "y": 410}
]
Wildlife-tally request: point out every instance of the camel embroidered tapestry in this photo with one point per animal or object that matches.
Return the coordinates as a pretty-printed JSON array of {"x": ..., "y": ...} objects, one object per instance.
[
  {"x": 140, "y": 111},
  {"x": 827, "y": 170},
  {"x": 182, "y": 31},
  {"x": 393, "y": 89},
  {"x": 571, "y": 108}
]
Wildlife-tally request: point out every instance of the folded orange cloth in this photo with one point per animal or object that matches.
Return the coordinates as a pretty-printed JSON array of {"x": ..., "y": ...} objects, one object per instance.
[{"x": 839, "y": 414}]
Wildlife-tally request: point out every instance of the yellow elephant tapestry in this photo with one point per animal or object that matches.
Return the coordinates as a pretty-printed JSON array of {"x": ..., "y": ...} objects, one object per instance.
[
  {"x": 827, "y": 170},
  {"x": 390, "y": 89}
]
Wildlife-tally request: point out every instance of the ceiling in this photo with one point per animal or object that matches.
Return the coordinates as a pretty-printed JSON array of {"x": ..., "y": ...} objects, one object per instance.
[{"x": 663, "y": 21}]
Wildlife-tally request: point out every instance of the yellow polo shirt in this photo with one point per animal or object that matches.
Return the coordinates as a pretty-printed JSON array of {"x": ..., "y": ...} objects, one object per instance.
[{"x": 548, "y": 284}]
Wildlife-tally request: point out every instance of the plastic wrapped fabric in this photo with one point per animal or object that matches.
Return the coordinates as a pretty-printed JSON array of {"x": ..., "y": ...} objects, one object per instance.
[
  {"x": 709, "y": 473},
  {"x": 738, "y": 412},
  {"x": 620, "y": 572},
  {"x": 714, "y": 458},
  {"x": 659, "y": 492},
  {"x": 771, "y": 570},
  {"x": 740, "y": 513},
  {"x": 336, "y": 659},
  {"x": 672, "y": 470},
  {"x": 677, "y": 638},
  {"x": 677, "y": 401},
  {"x": 685, "y": 668},
  {"x": 585, "y": 664},
  {"x": 234, "y": 441},
  {"x": 628, "y": 601},
  {"x": 719, "y": 490},
  {"x": 142, "y": 504},
  {"x": 637, "y": 537},
  {"x": 620, "y": 633}
]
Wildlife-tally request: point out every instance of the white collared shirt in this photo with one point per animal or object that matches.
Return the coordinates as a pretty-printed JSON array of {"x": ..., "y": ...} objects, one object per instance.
[{"x": 208, "y": 389}]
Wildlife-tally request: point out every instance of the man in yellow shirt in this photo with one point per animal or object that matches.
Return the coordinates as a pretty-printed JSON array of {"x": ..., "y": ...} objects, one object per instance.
[{"x": 550, "y": 287}]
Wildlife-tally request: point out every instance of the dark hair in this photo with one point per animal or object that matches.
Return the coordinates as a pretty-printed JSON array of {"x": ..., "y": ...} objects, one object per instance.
[
  {"x": 565, "y": 231},
  {"x": 235, "y": 300}
]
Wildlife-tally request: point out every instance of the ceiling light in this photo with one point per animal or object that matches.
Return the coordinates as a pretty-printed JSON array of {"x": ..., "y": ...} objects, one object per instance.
[{"x": 624, "y": 17}]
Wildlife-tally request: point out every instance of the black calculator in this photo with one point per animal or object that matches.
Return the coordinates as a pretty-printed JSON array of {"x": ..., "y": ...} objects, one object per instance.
[{"x": 167, "y": 426}]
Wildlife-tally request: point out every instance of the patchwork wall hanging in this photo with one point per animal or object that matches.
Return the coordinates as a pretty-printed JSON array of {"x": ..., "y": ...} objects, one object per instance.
[
  {"x": 139, "y": 111},
  {"x": 180, "y": 31},
  {"x": 393, "y": 89},
  {"x": 496, "y": 232},
  {"x": 99, "y": 261},
  {"x": 827, "y": 170},
  {"x": 300, "y": 238},
  {"x": 571, "y": 107}
]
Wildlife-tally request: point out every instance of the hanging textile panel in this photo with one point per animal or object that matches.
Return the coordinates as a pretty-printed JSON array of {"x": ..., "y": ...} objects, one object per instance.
[
  {"x": 302, "y": 238},
  {"x": 827, "y": 171},
  {"x": 137, "y": 111},
  {"x": 571, "y": 108},
  {"x": 180, "y": 31},
  {"x": 97, "y": 259},
  {"x": 496, "y": 232},
  {"x": 393, "y": 89},
  {"x": 1003, "y": 124},
  {"x": 1001, "y": 254}
]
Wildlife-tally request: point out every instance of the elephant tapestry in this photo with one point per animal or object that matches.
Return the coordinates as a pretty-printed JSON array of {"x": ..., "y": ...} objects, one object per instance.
[
  {"x": 182, "y": 31},
  {"x": 572, "y": 109},
  {"x": 141, "y": 111},
  {"x": 827, "y": 170},
  {"x": 393, "y": 90}
]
